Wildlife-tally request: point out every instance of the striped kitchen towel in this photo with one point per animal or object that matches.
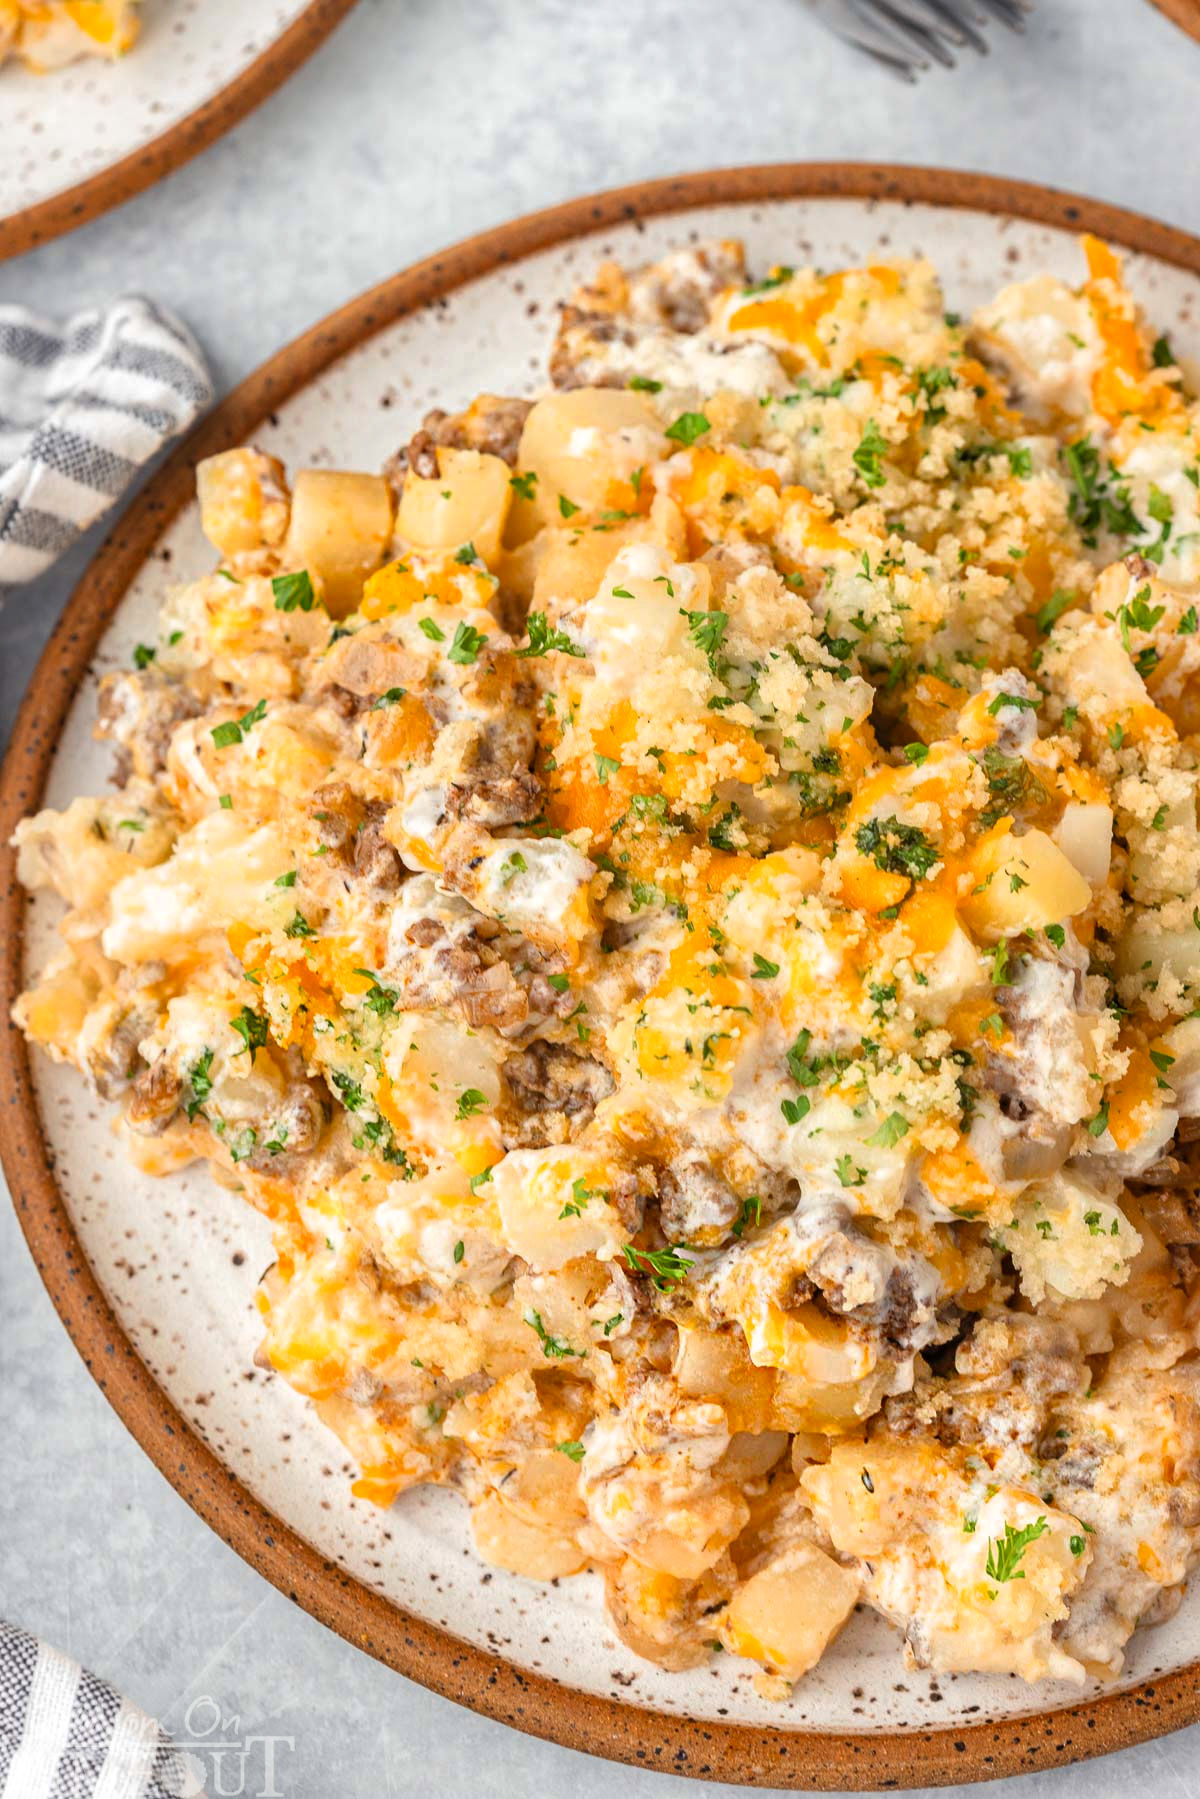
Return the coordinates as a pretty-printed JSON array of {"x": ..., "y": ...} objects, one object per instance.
[
  {"x": 64, "y": 1734},
  {"x": 84, "y": 404}
]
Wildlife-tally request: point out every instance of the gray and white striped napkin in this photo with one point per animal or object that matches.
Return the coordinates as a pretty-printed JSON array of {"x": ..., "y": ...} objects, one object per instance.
[
  {"x": 65, "y": 1734},
  {"x": 84, "y": 404}
]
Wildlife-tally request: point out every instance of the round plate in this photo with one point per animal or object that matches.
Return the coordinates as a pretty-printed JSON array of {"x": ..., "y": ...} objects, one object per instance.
[
  {"x": 86, "y": 137},
  {"x": 155, "y": 1280},
  {"x": 1186, "y": 14}
]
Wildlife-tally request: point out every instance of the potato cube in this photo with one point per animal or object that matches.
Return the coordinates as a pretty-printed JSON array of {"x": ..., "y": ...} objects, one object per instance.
[
  {"x": 243, "y": 500},
  {"x": 788, "y": 1613},
  {"x": 508, "y": 1541},
  {"x": 340, "y": 531},
  {"x": 578, "y": 444},
  {"x": 1023, "y": 883},
  {"x": 466, "y": 502}
]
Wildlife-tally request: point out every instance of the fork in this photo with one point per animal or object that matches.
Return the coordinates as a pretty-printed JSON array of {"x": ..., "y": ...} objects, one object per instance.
[{"x": 907, "y": 36}]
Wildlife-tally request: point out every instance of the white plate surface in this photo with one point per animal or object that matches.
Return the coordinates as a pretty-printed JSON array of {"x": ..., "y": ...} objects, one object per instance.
[
  {"x": 59, "y": 129},
  {"x": 179, "y": 1258}
]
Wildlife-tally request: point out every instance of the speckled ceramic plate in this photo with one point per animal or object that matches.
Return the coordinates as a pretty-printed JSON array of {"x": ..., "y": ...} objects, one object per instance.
[
  {"x": 75, "y": 142},
  {"x": 155, "y": 1280}
]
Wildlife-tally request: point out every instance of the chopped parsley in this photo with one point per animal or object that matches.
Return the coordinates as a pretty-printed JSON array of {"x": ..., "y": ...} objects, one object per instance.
[
  {"x": 896, "y": 848},
  {"x": 707, "y": 631},
  {"x": 750, "y": 1214},
  {"x": 466, "y": 644},
  {"x": 868, "y": 458},
  {"x": 1052, "y": 611},
  {"x": 200, "y": 1081},
  {"x": 555, "y": 1349},
  {"x": 293, "y": 592},
  {"x": 252, "y": 1028},
  {"x": 1004, "y": 1553},
  {"x": 1097, "y": 499},
  {"x": 894, "y": 1127},
  {"x": 543, "y": 638},
  {"x": 234, "y": 730},
  {"x": 688, "y": 427},
  {"x": 667, "y": 1267},
  {"x": 1016, "y": 700}
]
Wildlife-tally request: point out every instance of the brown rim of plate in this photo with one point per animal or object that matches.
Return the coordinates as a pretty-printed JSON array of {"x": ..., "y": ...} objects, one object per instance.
[
  {"x": 753, "y": 1755},
  {"x": 49, "y": 218},
  {"x": 1184, "y": 13}
]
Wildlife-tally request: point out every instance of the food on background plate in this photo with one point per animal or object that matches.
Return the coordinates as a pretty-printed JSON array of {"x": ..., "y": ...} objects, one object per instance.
[
  {"x": 679, "y": 902},
  {"x": 46, "y": 34}
]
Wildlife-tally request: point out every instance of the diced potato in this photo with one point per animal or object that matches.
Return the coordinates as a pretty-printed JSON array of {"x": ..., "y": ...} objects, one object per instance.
[
  {"x": 1182, "y": 1042},
  {"x": 340, "y": 531},
  {"x": 827, "y": 1408},
  {"x": 1145, "y": 950},
  {"x": 85, "y": 850},
  {"x": 803, "y": 1340},
  {"x": 716, "y": 1365},
  {"x": 55, "y": 1011},
  {"x": 698, "y": 1534},
  {"x": 573, "y": 443},
  {"x": 545, "y": 1490},
  {"x": 788, "y": 1613},
  {"x": 1101, "y": 668},
  {"x": 573, "y": 564},
  {"x": 219, "y": 871},
  {"x": 243, "y": 500},
  {"x": 466, "y": 502},
  {"x": 751, "y": 1454},
  {"x": 555, "y": 1206},
  {"x": 1023, "y": 883},
  {"x": 1155, "y": 876},
  {"x": 1084, "y": 835},
  {"x": 648, "y": 1611},
  {"x": 518, "y": 568},
  {"x": 1066, "y": 1238},
  {"x": 508, "y": 1541}
]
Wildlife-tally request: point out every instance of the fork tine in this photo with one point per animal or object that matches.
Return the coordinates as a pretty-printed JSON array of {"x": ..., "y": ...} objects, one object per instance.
[
  {"x": 920, "y": 47},
  {"x": 860, "y": 25},
  {"x": 955, "y": 18},
  {"x": 928, "y": 16},
  {"x": 1012, "y": 13},
  {"x": 907, "y": 36}
]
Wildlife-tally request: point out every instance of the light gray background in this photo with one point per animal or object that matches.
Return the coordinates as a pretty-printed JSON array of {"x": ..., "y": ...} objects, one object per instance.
[{"x": 419, "y": 123}]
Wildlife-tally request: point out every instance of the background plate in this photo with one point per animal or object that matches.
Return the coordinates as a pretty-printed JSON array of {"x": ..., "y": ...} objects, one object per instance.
[
  {"x": 155, "y": 1279},
  {"x": 86, "y": 137}
]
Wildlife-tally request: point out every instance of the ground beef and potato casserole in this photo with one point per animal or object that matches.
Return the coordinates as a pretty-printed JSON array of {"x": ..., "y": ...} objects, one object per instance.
[
  {"x": 46, "y": 34},
  {"x": 679, "y": 902}
]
